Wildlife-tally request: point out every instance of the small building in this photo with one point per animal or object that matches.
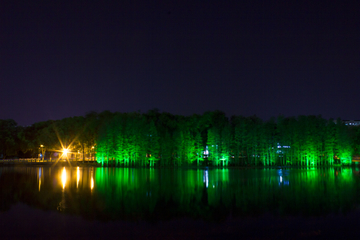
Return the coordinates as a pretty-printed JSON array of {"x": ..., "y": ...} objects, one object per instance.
[{"x": 351, "y": 122}]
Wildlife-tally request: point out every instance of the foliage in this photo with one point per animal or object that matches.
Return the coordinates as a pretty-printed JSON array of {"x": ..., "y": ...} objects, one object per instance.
[{"x": 163, "y": 139}]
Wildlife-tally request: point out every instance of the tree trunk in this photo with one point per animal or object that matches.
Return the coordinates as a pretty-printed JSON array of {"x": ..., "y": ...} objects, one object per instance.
[{"x": 83, "y": 152}]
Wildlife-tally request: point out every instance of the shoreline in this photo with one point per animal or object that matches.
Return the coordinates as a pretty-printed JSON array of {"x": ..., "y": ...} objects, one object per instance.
[{"x": 95, "y": 164}]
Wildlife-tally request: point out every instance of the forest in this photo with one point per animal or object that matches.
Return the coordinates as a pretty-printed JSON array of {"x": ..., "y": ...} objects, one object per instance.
[{"x": 156, "y": 139}]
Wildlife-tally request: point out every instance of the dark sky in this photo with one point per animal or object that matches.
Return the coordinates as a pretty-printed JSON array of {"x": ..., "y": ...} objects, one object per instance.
[{"x": 60, "y": 59}]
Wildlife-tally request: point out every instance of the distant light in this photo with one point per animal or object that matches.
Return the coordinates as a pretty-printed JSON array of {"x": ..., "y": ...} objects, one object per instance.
[
  {"x": 65, "y": 151},
  {"x": 41, "y": 145}
]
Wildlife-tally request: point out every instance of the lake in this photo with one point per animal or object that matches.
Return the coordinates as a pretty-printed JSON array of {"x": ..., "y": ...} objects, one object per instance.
[{"x": 43, "y": 202}]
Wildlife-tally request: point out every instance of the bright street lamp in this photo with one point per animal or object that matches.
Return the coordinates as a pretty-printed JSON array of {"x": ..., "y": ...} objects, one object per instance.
[
  {"x": 65, "y": 151},
  {"x": 42, "y": 149}
]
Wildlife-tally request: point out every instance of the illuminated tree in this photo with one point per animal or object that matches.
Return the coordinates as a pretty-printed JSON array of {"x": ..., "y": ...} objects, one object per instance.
[
  {"x": 153, "y": 144},
  {"x": 330, "y": 142},
  {"x": 253, "y": 137},
  {"x": 178, "y": 146},
  {"x": 344, "y": 150},
  {"x": 240, "y": 140},
  {"x": 225, "y": 145},
  {"x": 199, "y": 148},
  {"x": 272, "y": 140},
  {"x": 213, "y": 146},
  {"x": 119, "y": 144},
  {"x": 163, "y": 139},
  {"x": 166, "y": 149}
]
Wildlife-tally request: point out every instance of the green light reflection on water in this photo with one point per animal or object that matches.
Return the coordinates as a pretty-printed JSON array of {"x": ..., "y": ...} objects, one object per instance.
[{"x": 123, "y": 193}]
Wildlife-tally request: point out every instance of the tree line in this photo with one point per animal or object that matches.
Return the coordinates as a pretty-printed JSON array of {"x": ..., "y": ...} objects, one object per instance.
[{"x": 162, "y": 139}]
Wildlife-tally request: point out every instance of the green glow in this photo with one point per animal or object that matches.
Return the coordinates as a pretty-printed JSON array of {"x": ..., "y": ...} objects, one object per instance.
[
  {"x": 139, "y": 192},
  {"x": 142, "y": 193},
  {"x": 306, "y": 141}
]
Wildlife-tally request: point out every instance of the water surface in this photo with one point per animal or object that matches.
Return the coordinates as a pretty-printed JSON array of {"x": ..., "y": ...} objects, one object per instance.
[{"x": 277, "y": 201}]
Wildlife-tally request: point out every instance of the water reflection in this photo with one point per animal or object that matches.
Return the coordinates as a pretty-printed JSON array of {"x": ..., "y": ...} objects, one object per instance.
[
  {"x": 92, "y": 181},
  {"x": 125, "y": 193},
  {"x": 77, "y": 176},
  {"x": 63, "y": 178},
  {"x": 283, "y": 177},
  {"x": 40, "y": 178},
  {"x": 206, "y": 178}
]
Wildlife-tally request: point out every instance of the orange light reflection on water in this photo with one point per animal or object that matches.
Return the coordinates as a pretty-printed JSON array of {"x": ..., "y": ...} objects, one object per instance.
[
  {"x": 77, "y": 177},
  {"x": 92, "y": 183},
  {"x": 63, "y": 177}
]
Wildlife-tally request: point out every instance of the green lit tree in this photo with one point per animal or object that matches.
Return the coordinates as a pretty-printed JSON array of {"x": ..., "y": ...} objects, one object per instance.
[
  {"x": 344, "y": 150},
  {"x": 153, "y": 144},
  {"x": 199, "y": 148}
]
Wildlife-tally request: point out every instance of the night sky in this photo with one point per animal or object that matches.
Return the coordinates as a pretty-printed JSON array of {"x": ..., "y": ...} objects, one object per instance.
[{"x": 60, "y": 59}]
